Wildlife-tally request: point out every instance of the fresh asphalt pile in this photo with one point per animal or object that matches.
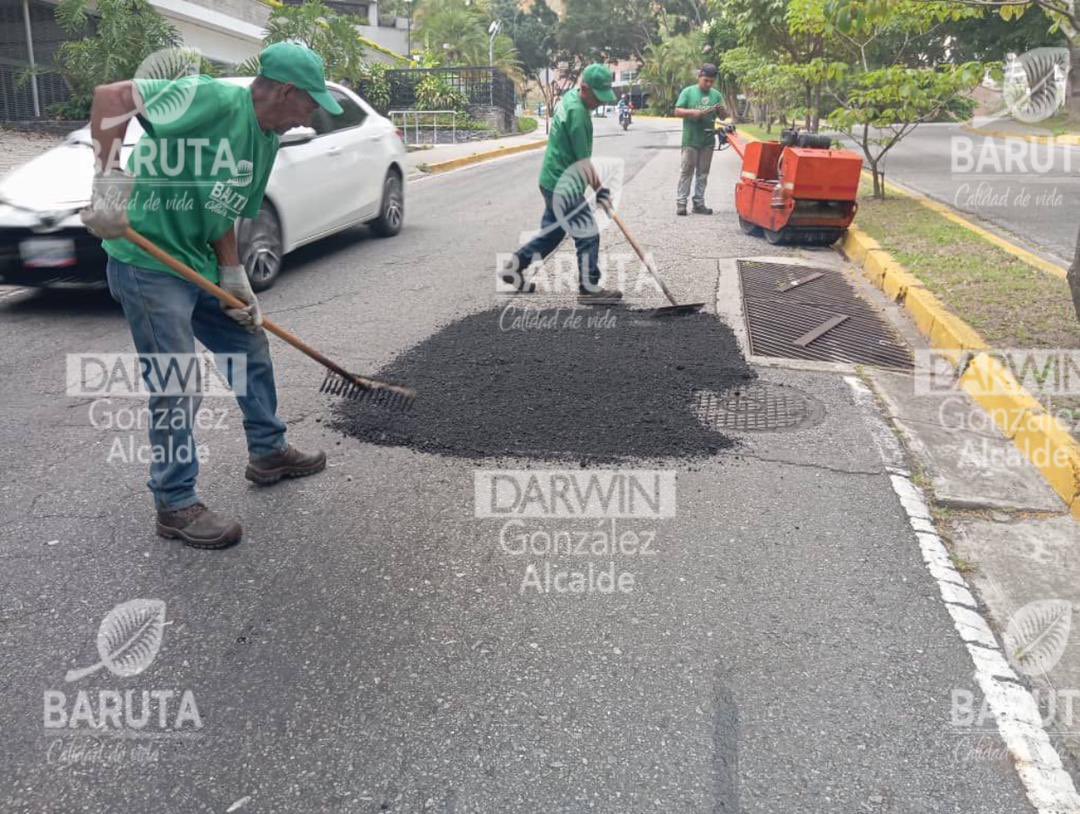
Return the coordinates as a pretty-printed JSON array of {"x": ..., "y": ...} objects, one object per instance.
[{"x": 595, "y": 385}]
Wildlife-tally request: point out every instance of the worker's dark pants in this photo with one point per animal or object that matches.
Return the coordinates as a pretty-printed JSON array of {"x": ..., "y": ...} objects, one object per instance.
[
  {"x": 166, "y": 315},
  {"x": 579, "y": 218}
]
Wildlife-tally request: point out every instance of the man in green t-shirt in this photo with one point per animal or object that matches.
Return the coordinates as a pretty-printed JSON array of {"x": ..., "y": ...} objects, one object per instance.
[
  {"x": 566, "y": 172},
  {"x": 697, "y": 106},
  {"x": 202, "y": 163}
]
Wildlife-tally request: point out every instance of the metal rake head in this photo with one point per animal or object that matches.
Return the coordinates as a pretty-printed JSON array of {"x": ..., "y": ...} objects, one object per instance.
[{"x": 369, "y": 391}]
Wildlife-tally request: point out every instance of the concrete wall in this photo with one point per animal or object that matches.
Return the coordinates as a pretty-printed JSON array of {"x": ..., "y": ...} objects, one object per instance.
[
  {"x": 396, "y": 39},
  {"x": 223, "y": 30}
]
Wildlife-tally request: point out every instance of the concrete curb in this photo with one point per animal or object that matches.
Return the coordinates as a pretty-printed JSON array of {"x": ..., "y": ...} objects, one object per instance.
[
  {"x": 476, "y": 158},
  {"x": 1066, "y": 141},
  {"x": 1038, "y": 435}
]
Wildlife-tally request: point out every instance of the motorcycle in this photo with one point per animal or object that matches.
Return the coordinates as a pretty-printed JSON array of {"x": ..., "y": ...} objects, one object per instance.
[{"x": 624, "y": 117}]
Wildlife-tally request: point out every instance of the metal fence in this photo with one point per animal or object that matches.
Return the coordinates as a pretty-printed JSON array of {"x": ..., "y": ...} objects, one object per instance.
[
  {"x": 479, "y": 86},
  {"x": 422, "y": 126},
  {"x": 16, "y": 92}
]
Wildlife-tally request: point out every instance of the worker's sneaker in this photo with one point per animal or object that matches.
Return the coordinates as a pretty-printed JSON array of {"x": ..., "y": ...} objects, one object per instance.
[
  {"x": 680, "y": 209},
  {"x": 198, "y": 527},
  {"x": 701, "y": 209},
  {"x": 288, "y": 463},
  {"x": 513, "y": 277},
  {"x": 600, "y": 296}
]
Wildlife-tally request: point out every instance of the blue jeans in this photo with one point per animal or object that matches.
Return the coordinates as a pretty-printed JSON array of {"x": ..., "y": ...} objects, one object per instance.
[
  {"x": 166, "y": 315},
  {"x": 586, "y": 240}
]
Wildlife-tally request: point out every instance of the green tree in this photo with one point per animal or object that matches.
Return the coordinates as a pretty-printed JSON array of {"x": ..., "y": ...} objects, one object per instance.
[
  {"x": 604, "y": 30},
  {"x": 532, "y": 32},
  {"x": 1064, "y": 17},
  {"x": 770, "y": 89},
  {"x": 455, "y": 32},
  {"x": 331, "y": 35},
  {"x": 670, "y": 65},
  {"x": 881, "y": 100},
  {"x": 128, "y": 31}
]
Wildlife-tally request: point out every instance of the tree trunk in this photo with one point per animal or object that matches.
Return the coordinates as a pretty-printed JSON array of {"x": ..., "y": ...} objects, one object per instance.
[
  {"x": 1074, "y": 278},
  {"x": 1072, "y": 88},
  {"x": 879, "y": 181}
]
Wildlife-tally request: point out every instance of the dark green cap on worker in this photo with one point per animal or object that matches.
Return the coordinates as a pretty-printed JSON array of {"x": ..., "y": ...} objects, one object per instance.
[
  {"x": 298, "y": 65},
  {"x": 599, "y": 78}
]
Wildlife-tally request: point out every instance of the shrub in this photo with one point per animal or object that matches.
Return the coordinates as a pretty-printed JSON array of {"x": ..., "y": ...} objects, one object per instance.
[{"x": 434, "y": 93}]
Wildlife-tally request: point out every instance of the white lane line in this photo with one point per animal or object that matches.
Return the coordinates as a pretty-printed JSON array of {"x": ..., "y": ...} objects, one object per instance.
[{"x": 1049, "y": 787}]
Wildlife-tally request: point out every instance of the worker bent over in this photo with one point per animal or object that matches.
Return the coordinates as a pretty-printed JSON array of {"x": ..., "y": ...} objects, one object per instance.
[
  {"x": 202, "y": 163},
  {"x": 697, "y": 106},
  {"x": 566, "y": 173}
]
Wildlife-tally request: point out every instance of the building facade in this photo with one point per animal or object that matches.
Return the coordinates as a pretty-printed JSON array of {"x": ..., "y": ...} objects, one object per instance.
[{"x": 225, "y": 31}]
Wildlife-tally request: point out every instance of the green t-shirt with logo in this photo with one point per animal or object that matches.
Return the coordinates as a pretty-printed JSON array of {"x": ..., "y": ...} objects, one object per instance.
[
  {"x": 570, "y": 139},
  {"x": 202, "y": 164},
  {"x": 698, "y": 132}
]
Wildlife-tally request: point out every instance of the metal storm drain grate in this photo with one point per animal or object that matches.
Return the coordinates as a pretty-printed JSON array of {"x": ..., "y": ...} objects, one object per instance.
[
  {"x": 797, "y": 312},
  {"x": 758, "y": 407}
]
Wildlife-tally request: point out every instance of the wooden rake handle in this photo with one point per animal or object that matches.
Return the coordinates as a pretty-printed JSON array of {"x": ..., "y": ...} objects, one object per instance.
[
  {"x": 233, "y": 301},
  {"x": 640, "y": 251}
]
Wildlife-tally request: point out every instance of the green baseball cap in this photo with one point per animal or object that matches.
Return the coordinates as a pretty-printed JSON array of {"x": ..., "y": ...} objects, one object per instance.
[
  {"x": 298, "y": 65},
  {"x": 599, "y": 78}
]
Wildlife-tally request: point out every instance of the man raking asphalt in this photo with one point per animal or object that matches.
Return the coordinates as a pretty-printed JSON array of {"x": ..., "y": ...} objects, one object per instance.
[
  {"x": 203, "y": 163},
  {"x": 566, "y": 172}
]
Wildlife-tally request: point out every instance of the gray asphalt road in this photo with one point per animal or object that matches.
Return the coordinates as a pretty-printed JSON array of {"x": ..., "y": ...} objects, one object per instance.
[
  {"x": 1027, "y": 192},
  {"x": 369, "y": 647}
]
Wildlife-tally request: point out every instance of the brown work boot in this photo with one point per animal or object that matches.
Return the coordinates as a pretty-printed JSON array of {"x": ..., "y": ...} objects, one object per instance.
[
  {"x": 198, "y": 527},
  {"x": 680, "y": 209},
  {"x": 701, "y": 209},
  {"x": 288, "y": 463},
  {"x": 600, "y": 296}
]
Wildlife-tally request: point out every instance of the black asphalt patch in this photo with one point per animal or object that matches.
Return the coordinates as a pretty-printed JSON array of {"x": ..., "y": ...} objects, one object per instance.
[{"x": 545, "y": 383}]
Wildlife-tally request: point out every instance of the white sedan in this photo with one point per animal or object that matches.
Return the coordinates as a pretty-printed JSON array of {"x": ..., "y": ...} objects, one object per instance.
[{"x": 343, "y": 171}]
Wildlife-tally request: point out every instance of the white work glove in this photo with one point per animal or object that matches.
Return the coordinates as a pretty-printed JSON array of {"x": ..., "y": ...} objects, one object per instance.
[
  {"x": 107, "y": 215},
  {"x": 234, "y": 279}
]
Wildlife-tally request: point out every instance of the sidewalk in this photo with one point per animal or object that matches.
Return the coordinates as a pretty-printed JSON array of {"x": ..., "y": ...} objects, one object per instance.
[
  {"x": 420, "y": 160},
  {"x": 19, "y": 147},
  {"x": 1008, "y": 127}
]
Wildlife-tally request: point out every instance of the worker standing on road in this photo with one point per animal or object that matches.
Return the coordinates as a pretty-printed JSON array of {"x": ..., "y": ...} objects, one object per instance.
[
  {"x": 203, "y": 162},
  {"x": 567, "y": 170},
  {"x": 697, "y": 106}
]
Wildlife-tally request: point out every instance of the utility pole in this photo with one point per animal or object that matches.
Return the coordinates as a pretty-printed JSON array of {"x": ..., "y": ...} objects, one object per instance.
[
  {"x": 30, "y": 54},
  {"x": 493, "y": 32}
]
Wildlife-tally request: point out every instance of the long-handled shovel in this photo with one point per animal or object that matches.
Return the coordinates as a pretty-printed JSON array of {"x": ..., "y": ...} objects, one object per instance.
[
  {"x": 673, "y": 310},
  {"x": 338, "y": 381}
]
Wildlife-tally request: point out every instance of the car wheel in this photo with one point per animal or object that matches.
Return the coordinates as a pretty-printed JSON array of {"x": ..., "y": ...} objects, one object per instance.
[
  {"x": 392, "y": 210},
  {"x": 261, "y": 247}
]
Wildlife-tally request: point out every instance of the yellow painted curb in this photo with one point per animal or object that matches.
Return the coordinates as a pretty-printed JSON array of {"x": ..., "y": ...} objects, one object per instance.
[
  {"x": 1068, "y": 140},
  {"x": 1039, "y": 436},
  {"x": 476, "y": 158}
]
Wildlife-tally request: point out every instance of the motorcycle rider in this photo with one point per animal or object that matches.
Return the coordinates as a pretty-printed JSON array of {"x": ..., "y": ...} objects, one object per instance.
[{"x": 624, "y": 108}]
